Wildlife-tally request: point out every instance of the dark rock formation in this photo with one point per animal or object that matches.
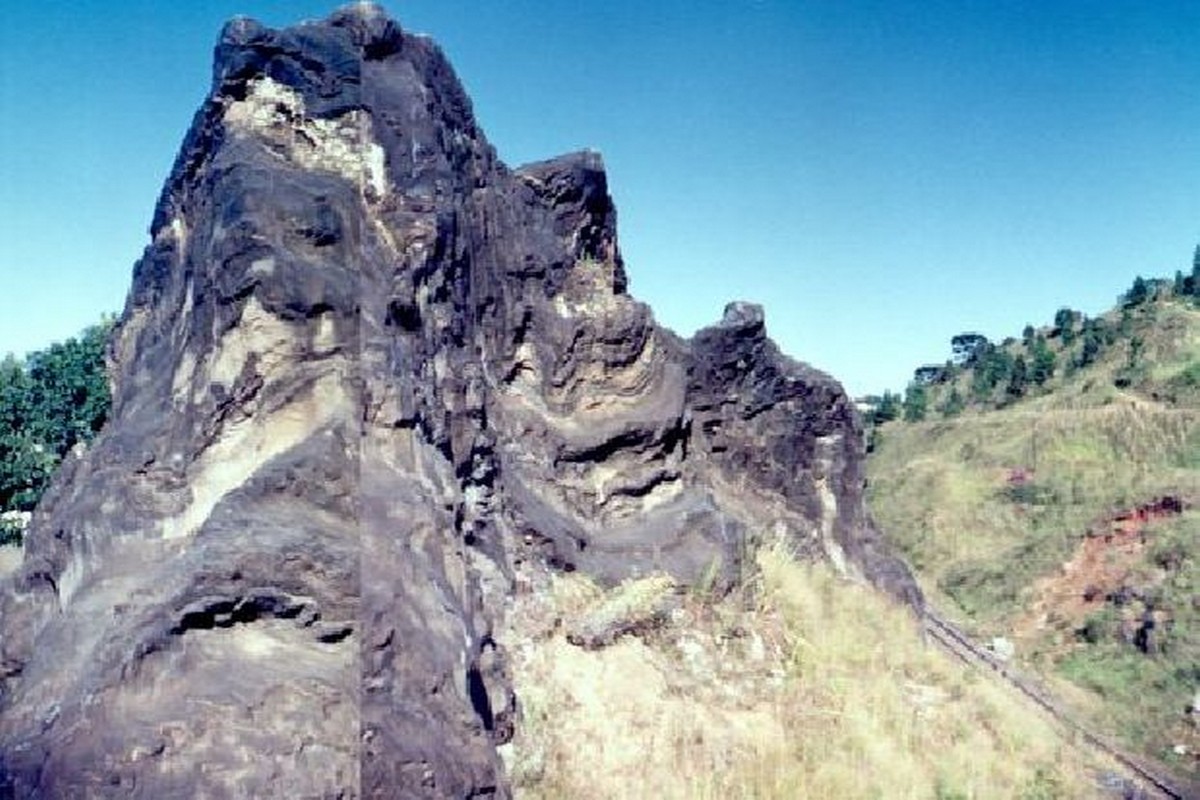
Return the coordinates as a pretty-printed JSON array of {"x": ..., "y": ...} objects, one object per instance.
[{"x": 364, "y": 370}]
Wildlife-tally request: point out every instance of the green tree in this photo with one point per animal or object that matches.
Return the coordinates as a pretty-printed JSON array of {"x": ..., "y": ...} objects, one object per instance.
[
  {"x": 954, "y": 404},
  {"x": 916, "y": 402},
  {"x": 1064, "y": 323},
  {"x": 1124, "y": 326},
  {"x": 54, "y": 400},
  {"x": 929, "y": 374},
  {"x": 1018, "y": 379},
  {"x": 1192, "y": 282},
  {"x": 26, "y": 466},
  {"x": 888, "y": 408},
  {"x": 1093, "y": 344},
  {"x": 1136, "y": 346},
  {"x": 1138, "y": 293},
  {"x": 991, "y": 370},
  {"x": 1134, "y": 370},
  {"x": 969, "y": 348},
  {"x": 1044, "y": 362}
]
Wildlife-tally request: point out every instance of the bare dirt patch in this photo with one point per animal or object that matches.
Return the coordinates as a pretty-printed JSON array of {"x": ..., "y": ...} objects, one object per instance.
[{"x": 1103, "y": 565}]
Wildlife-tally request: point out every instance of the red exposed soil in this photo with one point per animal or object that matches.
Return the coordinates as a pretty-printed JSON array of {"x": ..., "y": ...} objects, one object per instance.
[{"x": 1102, "y": 565}]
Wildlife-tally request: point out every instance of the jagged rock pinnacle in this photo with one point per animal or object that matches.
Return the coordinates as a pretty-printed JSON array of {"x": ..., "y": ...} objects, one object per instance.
[{"x": 365, "y": 375}]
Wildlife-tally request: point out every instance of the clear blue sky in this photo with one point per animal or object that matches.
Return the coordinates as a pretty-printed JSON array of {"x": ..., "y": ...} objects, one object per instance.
[{"x": 880, "y": 175}]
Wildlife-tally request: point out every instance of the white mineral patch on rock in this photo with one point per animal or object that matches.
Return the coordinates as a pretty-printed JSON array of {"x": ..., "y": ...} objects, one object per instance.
[
  {"x": 343, "y": 145},
  {"x": 247, "y": 445}
]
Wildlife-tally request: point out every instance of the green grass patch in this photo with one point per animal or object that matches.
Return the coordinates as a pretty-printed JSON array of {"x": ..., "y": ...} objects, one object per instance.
[
  {"x": 1143, "y": 699},
  {"x": 992, "y": 590}
]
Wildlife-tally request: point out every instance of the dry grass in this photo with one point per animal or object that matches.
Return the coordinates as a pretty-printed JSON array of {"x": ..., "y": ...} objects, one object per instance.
[{"x": 801, "y": 685}]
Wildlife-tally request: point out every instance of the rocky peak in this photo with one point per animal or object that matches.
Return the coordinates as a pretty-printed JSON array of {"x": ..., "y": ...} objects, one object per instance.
[
  {"x": 366, "y": 378},
  {"x": 746, "y": 317}
]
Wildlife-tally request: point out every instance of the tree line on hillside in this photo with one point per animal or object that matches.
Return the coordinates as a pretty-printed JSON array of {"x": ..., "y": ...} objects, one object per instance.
[
  {"x": 50, "y": 401},
  {"x": 998, "y": 374}
]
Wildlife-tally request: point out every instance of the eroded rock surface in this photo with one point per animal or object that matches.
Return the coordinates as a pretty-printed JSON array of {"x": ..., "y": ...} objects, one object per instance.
[{"x": 364, "y": 372}]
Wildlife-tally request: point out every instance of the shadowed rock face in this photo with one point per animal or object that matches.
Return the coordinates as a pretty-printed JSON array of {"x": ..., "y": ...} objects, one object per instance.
[{"x": 366, "y": 371}]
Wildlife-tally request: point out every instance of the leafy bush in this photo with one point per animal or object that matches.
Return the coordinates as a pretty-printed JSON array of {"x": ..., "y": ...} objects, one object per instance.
[
  {"x": 12, "y": 526},
  {"x": 1137, "y": 294},
  {"x": 1030, "y": 494},
  {"x": 1187, "y": 378},
  {"x": 888, "y": 409},
  {"x": 1098, "y": 627},
  {"x": 916, "y": 402},
  {"x": 980, "y": 588},
  {"x": 50, "y": 402},
  {"x": 1173, "y": 547}
]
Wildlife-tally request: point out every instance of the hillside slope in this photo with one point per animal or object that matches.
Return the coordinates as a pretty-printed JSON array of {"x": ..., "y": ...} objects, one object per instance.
[
  {"x": 800, "y": 684},
  {"x": 1061, "y": 523}
]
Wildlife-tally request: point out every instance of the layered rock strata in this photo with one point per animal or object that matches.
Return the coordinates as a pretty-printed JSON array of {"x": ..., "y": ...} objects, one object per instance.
[{"x": 364, "y": 374}]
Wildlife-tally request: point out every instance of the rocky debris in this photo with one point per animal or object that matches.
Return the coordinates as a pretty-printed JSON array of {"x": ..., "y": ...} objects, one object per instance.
[
  {"x": 1002, "y": 648},
  {"x": 365, "y": 371},
  {"x": 634, "y": 607},
  {"x": 1148, "y": 630},
  {"x": 1119, "y": 787},
  {"x": 1165, "y": 506}
]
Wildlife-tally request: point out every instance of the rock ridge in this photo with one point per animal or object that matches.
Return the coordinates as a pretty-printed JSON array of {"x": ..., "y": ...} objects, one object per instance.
[{"x": 366, "y": 375}]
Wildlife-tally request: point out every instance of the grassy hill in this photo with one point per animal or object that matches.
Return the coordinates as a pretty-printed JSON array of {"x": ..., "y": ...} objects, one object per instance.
[{"x": 1065, "y": 517}]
